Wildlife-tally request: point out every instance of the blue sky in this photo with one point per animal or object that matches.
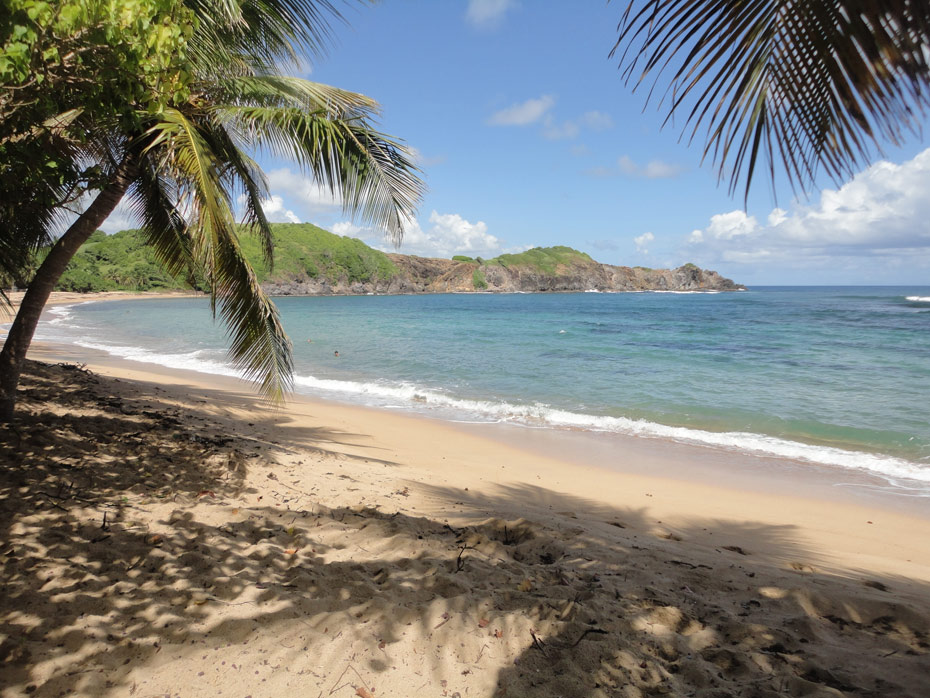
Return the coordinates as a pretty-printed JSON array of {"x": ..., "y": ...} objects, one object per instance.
[{"x": 528, "y": 137}]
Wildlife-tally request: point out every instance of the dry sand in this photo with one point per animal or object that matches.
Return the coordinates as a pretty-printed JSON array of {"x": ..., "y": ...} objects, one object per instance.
[{"x": 166, "y": 534}]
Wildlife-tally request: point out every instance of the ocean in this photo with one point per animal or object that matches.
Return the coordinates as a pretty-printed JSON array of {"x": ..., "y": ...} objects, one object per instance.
[{"x": 835, "y": 377}]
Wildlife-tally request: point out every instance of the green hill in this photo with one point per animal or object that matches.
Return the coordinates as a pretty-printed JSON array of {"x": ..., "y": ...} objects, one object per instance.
[
  {"x": 123, "y": 261},
  {"x": 312, "y": 261}
]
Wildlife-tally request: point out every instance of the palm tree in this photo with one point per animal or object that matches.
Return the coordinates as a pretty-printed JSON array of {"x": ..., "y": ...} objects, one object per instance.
[
  {"x": 182, "y": 168},
  {"x": 815, "y": 84}
]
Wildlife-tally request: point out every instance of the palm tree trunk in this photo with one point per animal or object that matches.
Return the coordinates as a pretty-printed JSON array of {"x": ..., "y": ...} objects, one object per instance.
[{"x": 27, "y": 317}]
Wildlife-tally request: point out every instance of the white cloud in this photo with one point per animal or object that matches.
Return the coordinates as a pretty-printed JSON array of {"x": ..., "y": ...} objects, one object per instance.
[
  {"x": 302, "y": 192},
  {"x": 349, "y": 228},
  {"x": 121, "y": 218},
  {"x": 642, "y": 242},
  {"x": 276, "y": 212},
  {"x": 524, "y": 113},
  {"x": 488, "y": 13},
  {"x": 449, "y": 234},
  {"x": 726, "y": 226},
  {"x": 883, "y": 212}
]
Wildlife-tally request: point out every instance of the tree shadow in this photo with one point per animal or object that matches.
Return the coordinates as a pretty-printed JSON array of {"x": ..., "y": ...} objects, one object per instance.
[{"x": 113, "y": 575}]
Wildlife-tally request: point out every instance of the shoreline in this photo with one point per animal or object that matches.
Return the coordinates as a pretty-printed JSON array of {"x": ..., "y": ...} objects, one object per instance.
[
  {"x": 695, "y": 481},
  {"x": 166, "y": 532},
  {"x": 680, "y": 459},
  {"x": 669, "y": 457}
]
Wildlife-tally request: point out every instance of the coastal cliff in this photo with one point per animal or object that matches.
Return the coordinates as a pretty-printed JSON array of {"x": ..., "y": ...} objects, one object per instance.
[
  {"x": 313, "y": 261},
  {"x": 428, "y": 275}
]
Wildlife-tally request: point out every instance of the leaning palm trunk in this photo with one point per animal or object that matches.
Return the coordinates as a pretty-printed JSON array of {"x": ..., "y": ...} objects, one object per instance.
[
  {"x": 27, "y": 317},
  {"x": 188, "y": 159}
]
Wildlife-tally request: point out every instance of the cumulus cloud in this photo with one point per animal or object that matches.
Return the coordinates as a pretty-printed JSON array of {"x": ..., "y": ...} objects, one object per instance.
[
  {"x": 524, "y": 113},
  {"x": 121, "y": 218},
  {"x": 277, "y": 212},
  {"x": 448, "y": 234},
  {"x": 487, "y": 14},
  {"x": 301, "y": 192},
  {"x": 883, "y": 212},
  {"x": 349, "y": 228},
  {"x": 642, "y": 242}
]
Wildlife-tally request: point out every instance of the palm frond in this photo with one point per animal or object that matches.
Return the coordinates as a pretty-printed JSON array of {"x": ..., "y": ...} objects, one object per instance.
[
  {"x": 328, "y": 132},
  {"x": 153, "y": 201},
  {"x": 190, "y": 152},
  {"x": 252, "y": 33},
  {"x": 814, "y": 85}
]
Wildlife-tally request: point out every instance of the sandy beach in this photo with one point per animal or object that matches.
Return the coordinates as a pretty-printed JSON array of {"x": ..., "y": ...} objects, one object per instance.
[{"x": 166, "y": 533}]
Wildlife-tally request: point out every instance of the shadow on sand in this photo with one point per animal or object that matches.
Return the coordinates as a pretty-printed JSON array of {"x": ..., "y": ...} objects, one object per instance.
[{"x": 124, "y": 546}]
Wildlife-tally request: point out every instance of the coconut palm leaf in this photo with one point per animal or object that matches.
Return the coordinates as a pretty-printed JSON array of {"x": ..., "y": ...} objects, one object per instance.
[
  {"x": 250, "y": 33},
  {"x": 327, "y": 131},
  {"x": 191, "y": 154},
  {"x": 814, "y": 84}
]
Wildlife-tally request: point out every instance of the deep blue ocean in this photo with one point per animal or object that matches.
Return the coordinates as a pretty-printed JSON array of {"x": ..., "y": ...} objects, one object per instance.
[{"x": 835, "y": 376}]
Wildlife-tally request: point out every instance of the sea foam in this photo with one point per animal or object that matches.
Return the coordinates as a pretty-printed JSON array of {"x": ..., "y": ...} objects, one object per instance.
[
  {"x": 541, "y": 415},
  {"x": 445, "y": 404}
]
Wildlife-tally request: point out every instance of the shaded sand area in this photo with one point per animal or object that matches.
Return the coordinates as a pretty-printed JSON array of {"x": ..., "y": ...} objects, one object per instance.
[{"x": 166, "y": 534}]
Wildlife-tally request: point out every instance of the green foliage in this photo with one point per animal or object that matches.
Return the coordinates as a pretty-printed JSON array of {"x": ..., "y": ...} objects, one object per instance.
[
  {"x": 70, "y": 69},
  {"x": 126, "y": 262},
  {"x": 162, "y": 101},
  {"x": 644, "y": 268},
  {"x": 304, "y": 249},
  {"x": 544, "y": 259},
  {"x": 478, "y": 280},
  {"x": 120, "y": 262},
  {"x": 462, "y": 258},
  {"x": 690, "y": 267}
]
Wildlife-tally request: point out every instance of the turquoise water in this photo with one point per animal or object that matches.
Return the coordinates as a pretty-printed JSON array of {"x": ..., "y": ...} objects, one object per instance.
[{"x": 833, "y": 376}]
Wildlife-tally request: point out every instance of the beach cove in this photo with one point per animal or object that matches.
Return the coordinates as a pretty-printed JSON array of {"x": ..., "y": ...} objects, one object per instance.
[{"x": 168, "y": 533}]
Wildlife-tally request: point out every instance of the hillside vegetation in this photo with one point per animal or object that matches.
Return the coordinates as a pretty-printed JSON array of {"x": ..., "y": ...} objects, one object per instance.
[
  {"x": 312, "y": 261},
  {"x": 123, "y": 262}
]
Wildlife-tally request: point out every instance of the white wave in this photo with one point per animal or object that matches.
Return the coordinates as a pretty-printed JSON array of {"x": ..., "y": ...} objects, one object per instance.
[
  {"x": 62, "y": 314},
  {"x": 188, "y": 361},
  {"x": 540, "y": 415},
  {"x": 919, "y": 299},
  {"x": 686, "y": 293}
]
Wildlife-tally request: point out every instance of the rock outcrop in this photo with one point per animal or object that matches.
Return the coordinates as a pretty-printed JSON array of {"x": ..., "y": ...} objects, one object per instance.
[{"x": 424, "y": 275}]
